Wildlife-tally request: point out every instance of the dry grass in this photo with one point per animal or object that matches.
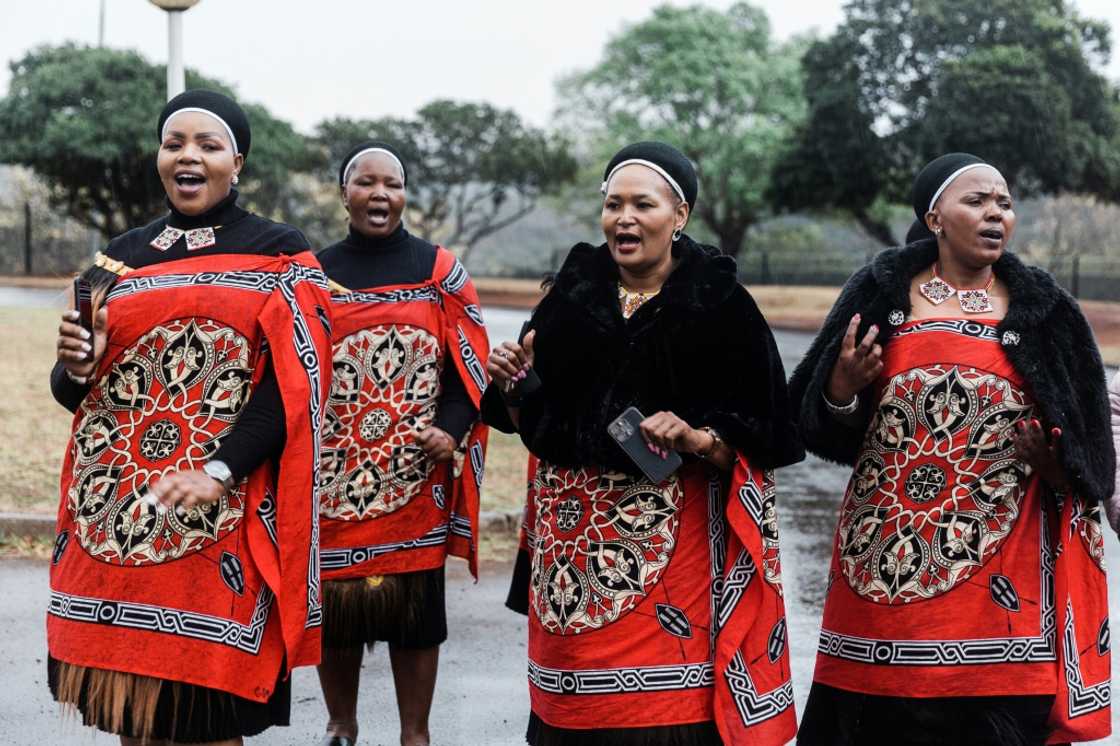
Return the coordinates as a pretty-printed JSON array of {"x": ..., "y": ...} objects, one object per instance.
[
  {"x": 33, "y": 427},
  {"x": 504, "y": 486}
]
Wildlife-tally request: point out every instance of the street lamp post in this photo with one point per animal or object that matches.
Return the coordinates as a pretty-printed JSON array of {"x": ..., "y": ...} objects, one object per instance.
[{"x": 176, "y": 76}]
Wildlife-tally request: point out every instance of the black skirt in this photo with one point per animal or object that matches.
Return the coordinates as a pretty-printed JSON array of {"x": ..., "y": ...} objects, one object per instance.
[
  {"x": 407, "y": 610},
  {"x": 540, "y": 733},
  {"x": 837, "y": 717},
  {"x": 186, "y": 713}
]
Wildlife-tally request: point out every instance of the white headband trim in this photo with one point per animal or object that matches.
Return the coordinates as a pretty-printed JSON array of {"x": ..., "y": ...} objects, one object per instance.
[
  {"x": 350, "y": 163},
  {"x": 648, "y": 164},
  {"x": 177, "y": 112},
  {"x": 953, "y": 177}
]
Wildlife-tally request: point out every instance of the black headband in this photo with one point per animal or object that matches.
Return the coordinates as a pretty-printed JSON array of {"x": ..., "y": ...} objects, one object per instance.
[
  {"x": 221, "y": 107},
  {"x": 936, "y": 177},
  {"x": 673, "y": 165},
  {"x": 370, "y": 146}
]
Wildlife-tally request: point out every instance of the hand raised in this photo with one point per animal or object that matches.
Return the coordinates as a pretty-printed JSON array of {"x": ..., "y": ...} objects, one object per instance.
[
  {"x": 75, "y": 343},
  {"x": 509, "y": 362},
  {"x": 857, "y": 366}
]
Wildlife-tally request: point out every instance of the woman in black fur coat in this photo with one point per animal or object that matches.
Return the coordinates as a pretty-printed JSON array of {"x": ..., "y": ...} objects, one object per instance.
[
  {"x": 626, "y": 575},
  {"x": 966, "y": 599}
]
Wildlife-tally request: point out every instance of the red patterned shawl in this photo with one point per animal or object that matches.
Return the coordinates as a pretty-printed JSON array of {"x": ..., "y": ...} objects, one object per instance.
[
  {"x": 385, "y": 508},
  {"x": 221, "y": 596}
]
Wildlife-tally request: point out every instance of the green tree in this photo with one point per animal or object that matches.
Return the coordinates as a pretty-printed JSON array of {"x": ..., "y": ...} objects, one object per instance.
[
  {"x": 473, "y": 169},
  {"x": 714, "y": 84},
  {"x": 84, "y": 120},
  {"x": 898, "y": 83}
]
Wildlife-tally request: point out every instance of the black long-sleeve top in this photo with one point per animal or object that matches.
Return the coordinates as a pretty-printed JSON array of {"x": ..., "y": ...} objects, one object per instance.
[
  {"x": 259, "y": 433},
  {"x": 362, "y": 263}
]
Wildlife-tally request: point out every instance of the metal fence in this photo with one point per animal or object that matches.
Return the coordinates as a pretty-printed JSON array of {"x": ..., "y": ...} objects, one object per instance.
[
  {"x": 1086, "y": 277},
  {"x": 41, "y": 242}
]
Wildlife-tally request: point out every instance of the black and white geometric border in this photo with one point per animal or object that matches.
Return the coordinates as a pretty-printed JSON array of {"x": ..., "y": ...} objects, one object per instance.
[
  {"x": 474, "y": 366},
  {"x": 753, "y": 707},
  {"x": 456, "y": 279},
  {"x": 1041, "y": 649},
  {"x": 426, "y": 294},
  {"x": 717, "y": 554},
  {"x": 305, "y": 351},
  {"x": 336, "y": 559},
  {"x": 246, "y": 638},
  {"x": 461, "y": 526},
  {"x": 622, "y": 680},
  {"x": 1082, "y": 699}
]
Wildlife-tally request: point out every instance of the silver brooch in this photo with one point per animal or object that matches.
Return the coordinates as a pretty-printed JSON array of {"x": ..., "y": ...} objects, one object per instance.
[
  {"x": 197, "y": 238},
  {"x": 166, "y": 238},
  {"x": 896, "y": 317},
  {"x": 1010, "y": 338}
]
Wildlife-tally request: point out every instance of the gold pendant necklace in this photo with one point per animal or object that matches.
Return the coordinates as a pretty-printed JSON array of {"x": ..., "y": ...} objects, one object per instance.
[
  {"x": 937, "y": 291},
  {"x": 632, "y": 300}
]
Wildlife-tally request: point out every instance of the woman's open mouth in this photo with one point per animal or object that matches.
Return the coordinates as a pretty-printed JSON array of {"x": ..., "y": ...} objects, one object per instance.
[
  {"x": 190, "y": 184},
  {"x": 378, "y": 216},
  {"x": 992, "y": 235},
  {"x": 626, "y": 242}
]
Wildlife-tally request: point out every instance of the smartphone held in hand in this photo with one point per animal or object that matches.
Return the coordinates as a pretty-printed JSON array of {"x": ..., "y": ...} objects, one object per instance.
[
  {"x": 626, "y": 431},
  {"x": 83, "y": 304}
]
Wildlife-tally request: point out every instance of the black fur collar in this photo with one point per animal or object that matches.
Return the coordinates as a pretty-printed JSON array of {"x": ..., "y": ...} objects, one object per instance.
[
  {"x": 702, "y": 280},
  {"x": 1033, "y": 294}
]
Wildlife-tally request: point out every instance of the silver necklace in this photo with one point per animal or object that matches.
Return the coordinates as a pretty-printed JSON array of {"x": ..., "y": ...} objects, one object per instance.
[{"x": 976, "y": 300}]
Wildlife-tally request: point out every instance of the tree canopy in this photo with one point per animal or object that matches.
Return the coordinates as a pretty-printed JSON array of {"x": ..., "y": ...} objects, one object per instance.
[
  {"x": 473, "y": 169},
  {"x": 84, "y": 120},
  {"x": 898, "y": 83},
  {"x": 714, "y": 84}
]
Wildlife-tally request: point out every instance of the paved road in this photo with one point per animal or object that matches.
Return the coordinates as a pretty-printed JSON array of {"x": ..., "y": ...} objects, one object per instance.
[{"x": 481, "y": 696}]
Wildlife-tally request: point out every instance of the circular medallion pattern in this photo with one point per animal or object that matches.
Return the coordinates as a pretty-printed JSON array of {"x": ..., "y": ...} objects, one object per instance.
[
  {"x": 936, "y": 489},
  {"x": 603, "y": 541},
  {"x": 163, "y": 406},
  {"x": 385, "y": 387}
]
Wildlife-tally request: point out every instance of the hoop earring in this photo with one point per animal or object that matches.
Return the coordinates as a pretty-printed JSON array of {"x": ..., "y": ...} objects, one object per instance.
[
  {"x": 940, "y": 231},
  {"x": 677, "y": 235}
]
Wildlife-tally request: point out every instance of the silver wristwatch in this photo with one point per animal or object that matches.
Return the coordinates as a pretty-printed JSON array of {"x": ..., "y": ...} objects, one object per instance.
[{"x": 218, "y": 471}]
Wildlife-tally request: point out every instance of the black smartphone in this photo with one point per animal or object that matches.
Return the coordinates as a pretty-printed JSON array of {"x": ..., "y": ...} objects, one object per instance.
[
  {"x": 531, "y": 382},
  {"x": 626, "y": 432},
  {"x": 83, "y": 304}
]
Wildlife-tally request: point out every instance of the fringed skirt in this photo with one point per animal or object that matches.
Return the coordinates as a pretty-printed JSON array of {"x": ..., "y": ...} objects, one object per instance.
[
  {"x": 143, "y": 707},
  {"x": 837, "y": 717},
  {"x": 406, "y": 610},
  {"x": 541, "y": 733}
]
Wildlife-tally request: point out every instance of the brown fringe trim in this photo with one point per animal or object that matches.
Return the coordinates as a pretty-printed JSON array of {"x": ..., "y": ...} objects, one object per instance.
[
  {"x": 358, "y": 612},
  {"x": 112, "y": 701}
]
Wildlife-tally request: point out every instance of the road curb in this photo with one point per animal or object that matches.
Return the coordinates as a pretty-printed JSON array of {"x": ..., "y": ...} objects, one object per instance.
[
  {"x": 34, "y": 525},
  {"x": 41, "y": 526}
]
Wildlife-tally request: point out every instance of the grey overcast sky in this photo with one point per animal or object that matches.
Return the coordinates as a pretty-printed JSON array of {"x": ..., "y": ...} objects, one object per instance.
[{"x": 310, "y": 59}]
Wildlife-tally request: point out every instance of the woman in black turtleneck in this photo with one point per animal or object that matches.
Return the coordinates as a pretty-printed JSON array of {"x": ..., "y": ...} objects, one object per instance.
[
  {"x": 404, "y": 399},
  {"x": 172, "y": 687}
]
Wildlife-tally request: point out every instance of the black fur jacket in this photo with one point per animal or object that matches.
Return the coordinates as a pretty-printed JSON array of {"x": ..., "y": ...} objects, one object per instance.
[
  {"x": 1044, "y": 335},
  {"x": 700, "y": 348}
]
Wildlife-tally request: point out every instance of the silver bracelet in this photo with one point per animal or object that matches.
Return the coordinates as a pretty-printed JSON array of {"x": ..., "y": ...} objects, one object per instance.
[
  {"x": 76, "y": 379},
  {"x": 841, "y": 410}
]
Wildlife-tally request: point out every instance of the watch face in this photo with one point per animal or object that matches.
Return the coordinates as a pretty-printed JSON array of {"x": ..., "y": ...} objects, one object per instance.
[{"x": 219, "y": 471}]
